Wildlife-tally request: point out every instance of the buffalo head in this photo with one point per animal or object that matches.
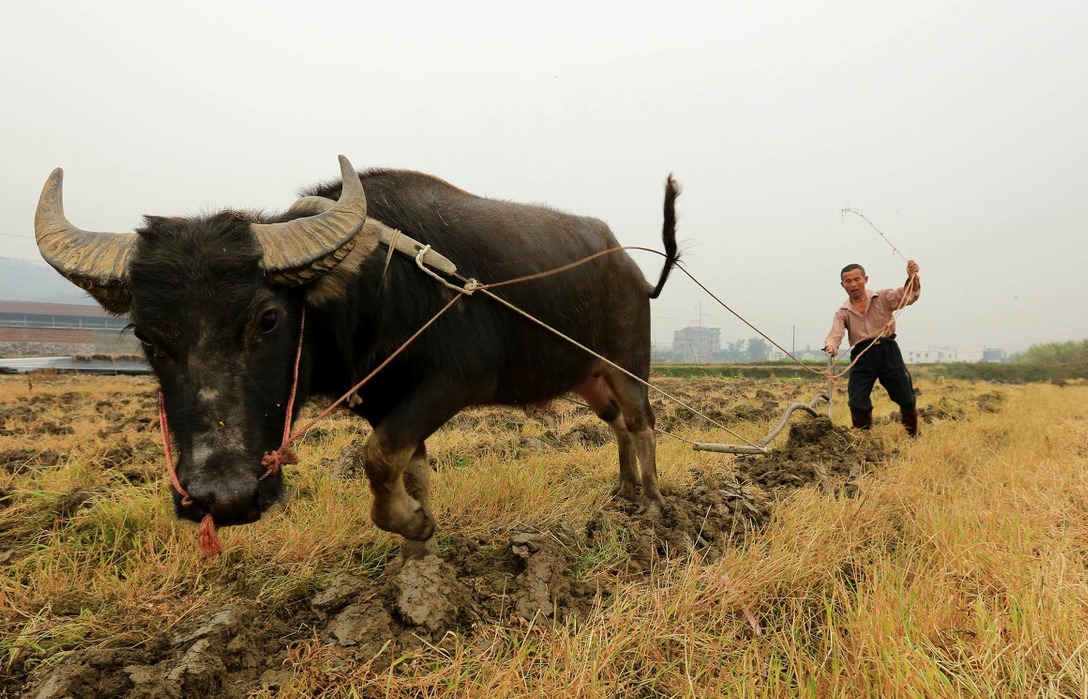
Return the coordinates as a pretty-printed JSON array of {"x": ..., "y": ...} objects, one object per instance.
[{"x": 216, "y": 302}]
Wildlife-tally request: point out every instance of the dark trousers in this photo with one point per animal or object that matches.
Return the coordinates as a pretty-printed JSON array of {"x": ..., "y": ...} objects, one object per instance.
[{"x": 883, "y": 362}]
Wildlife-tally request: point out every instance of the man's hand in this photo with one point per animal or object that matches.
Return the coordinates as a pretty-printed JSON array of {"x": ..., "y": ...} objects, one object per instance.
[
  {"x": 914, "y": 282},
  {"x": 831, "y": 351}
]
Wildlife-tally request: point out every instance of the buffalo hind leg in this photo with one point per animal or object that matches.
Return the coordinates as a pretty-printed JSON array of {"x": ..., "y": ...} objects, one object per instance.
[
  {"x": 646, "y": 448},
  {"x": 393, "y": 508},
  {"x": 638, "y": 420},
  {"x": 621, "y": 401},
  {"x": 602, "y": 401},
  {"x": 628, "y": 485}
]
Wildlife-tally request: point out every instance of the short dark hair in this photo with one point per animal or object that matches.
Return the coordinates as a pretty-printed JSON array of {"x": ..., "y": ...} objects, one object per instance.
[{"x": 852, "y": 265}]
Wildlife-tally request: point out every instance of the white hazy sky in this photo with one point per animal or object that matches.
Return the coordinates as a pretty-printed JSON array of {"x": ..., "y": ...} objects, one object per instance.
[{"x": 958, "y": 128}]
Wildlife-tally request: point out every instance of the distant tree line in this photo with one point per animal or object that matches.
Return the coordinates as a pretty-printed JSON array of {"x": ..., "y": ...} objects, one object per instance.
[
  {"x": 753, "y": 349},
  {"x": 1056, "y": 354},
  {"x": 1054, "y": 361}
]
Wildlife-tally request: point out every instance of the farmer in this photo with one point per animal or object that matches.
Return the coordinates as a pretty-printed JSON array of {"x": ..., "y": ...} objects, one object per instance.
[{"x": 867, "y": 316}]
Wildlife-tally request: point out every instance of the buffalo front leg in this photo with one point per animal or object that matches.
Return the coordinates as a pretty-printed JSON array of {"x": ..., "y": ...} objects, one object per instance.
[
  {"x": 417, "y": 481},
  {"x": 393, "y": 508}
]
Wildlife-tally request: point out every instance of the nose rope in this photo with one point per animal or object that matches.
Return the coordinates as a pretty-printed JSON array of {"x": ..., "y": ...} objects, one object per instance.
[{"x": 208, "y": 538}]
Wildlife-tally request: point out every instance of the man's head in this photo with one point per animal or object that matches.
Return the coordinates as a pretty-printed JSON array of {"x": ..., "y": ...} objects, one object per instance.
[{"x": 853, "y": 280}]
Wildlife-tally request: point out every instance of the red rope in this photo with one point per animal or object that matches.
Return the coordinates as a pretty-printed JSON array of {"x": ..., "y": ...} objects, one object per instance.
[
  {"x": 208, "y": 539},
  {"x": 273, "y": 460},
  {"x": 164, "y": 429},
  {"x": 369, "y": 376}
]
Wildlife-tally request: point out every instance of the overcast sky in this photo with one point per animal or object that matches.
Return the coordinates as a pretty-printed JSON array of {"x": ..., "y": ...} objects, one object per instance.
[{"x": 957, "y": 128}]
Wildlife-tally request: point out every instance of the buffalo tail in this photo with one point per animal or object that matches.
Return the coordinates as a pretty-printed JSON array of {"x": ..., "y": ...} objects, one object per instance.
[{"x": 668, "y": 234}]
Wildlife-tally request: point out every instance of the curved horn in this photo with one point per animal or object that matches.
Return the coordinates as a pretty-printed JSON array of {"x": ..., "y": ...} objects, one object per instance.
[
  {"x": 95, "y": 262},
  {"x": 299, "y": 251},
  {"x": 310, "y": 206}
]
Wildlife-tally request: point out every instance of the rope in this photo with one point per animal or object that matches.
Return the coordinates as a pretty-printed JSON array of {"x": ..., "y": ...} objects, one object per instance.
[
  {"x": 865, "y": 218},
  {"x": 471, "y": 285},
  {"x": 369, "y": 376},
  {"x": 273, "y": 460},
  {"x": 207, "y": 537}
]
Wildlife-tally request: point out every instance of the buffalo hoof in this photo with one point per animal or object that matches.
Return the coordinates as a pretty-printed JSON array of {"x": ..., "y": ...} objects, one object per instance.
[
  {"x": 625, "y": 490},
  {"x": 415, "y": 526},
  {"x": 418, "y": 550},
  {"x": 651, "y": 508},
  {"x": 419, "y": 527}
]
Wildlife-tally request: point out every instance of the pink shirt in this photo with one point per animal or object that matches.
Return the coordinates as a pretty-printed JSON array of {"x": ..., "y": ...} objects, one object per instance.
[{"x": 878, "y": 314}]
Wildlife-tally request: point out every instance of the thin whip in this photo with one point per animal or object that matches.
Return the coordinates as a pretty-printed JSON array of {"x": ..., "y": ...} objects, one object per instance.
[{"x": 865, "y": 218}]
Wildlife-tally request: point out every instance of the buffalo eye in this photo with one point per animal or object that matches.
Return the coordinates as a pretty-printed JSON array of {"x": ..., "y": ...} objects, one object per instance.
[
  {"x": 149, "y": 345},
  {"x": 269, "y": 321},
  {"x": 147, "y": 342}
]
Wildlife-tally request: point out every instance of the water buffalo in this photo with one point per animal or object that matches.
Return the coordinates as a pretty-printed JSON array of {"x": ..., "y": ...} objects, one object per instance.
[{"x": 218, "y": 302}]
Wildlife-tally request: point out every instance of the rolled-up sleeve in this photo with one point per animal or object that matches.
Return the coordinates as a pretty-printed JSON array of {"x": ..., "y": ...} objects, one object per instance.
[
  {"x": 838, "y": 329},
  {"x": 895, "y": 296}
]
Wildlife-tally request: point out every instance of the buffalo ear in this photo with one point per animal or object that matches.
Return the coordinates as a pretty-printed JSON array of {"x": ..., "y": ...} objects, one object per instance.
[{"x": 116, "y": 300}]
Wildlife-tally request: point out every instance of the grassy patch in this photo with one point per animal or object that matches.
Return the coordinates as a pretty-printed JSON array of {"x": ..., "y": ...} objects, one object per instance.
[{"x": 959, "y": 569}]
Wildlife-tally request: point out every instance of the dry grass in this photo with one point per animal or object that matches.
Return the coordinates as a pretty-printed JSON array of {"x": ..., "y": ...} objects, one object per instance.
[{"x": 960, "y": 571}]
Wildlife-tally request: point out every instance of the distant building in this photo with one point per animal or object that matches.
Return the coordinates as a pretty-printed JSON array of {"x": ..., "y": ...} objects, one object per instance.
[
  {"x": 29, "y": 329},
  {"x": 933, "y": 355},
  {"x": 696, "y": 344},
  {"x": 807, "y": 354}
]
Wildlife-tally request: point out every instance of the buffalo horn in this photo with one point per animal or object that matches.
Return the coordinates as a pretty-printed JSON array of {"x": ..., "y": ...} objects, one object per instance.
[
  {"x": 95, "y": 262},
  {"x": 299, "y": 251},
  {"x": 308, "y": 206}
]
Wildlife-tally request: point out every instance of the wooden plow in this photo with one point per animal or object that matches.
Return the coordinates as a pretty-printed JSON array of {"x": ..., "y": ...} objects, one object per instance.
[{"x": 760, "y": 447}]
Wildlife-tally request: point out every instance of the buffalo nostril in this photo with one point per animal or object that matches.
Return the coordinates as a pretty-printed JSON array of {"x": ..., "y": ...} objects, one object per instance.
[{"x": 227, "y": 503}]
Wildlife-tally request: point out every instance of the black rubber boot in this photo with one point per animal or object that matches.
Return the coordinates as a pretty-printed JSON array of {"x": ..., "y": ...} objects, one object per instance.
[
  {"x": 862, "y": 419},
  {"x": 909, "y": 416}
]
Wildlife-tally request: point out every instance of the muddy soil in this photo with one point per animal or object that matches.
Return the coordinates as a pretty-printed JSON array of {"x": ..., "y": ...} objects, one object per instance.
[{"x": 520, "y": 576}]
